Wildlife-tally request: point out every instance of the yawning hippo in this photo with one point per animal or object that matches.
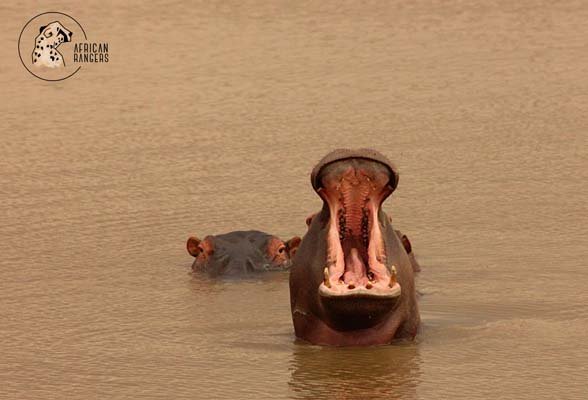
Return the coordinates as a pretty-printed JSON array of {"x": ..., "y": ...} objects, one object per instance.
[
  {"x": 241, "y": 252},
  {"x": 352, "y": 282}
]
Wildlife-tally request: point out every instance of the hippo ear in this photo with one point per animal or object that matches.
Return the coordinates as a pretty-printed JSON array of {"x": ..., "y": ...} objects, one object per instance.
[
  {"x": 193, "y": 246},
  {"x": 292, "y": 245},
  {"x": 309, "y": 219},
  {"x": 406, "y": 244}
]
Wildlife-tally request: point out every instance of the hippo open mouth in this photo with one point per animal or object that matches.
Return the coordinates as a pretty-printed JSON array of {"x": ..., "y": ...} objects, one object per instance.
[
  {"x": 354, "y": 189},
  {"x": 352, "y": 281}
]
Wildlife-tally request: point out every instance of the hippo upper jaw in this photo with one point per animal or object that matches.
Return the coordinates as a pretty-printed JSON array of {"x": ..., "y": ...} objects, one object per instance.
[
  {"x": 353, "y": 191},
  {"x": 356, "y": 270}
]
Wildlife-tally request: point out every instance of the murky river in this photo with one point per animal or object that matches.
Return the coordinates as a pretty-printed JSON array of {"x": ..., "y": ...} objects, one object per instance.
[{"x": 209, "y": 117}]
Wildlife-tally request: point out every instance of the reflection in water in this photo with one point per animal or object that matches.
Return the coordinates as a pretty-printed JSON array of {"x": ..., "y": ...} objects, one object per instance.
[
  {"x": 202, "y": 284},
  {"x": 383, "y": 372}
]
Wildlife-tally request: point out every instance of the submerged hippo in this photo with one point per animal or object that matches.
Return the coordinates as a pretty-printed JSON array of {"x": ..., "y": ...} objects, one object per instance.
[
  {"x": 241, "y": 252},
  {"x": 352, "y": 281}
]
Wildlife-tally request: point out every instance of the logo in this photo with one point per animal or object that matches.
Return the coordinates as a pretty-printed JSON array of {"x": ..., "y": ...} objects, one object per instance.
[{"x": 53, "y": 46}]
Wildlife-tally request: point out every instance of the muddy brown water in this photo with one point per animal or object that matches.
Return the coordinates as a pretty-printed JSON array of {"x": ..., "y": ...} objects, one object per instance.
[{"x": 209, "y": 118}]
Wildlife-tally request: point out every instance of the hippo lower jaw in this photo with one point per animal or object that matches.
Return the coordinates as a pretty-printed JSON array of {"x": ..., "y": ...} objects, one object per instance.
[
  {"x": 356, "y": 257},
  {"x": 368, "y": 291}
]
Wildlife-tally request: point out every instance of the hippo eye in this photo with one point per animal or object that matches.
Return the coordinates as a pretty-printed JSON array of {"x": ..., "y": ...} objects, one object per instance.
[
  {"x": 281, "y": 250},
  {"x": 200, "y": 249}
]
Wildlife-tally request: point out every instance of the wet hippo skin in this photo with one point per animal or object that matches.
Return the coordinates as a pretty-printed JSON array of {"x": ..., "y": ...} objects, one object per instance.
[
  {"x": 352, "y": 279},
  {"x": 241, "y": 253}
]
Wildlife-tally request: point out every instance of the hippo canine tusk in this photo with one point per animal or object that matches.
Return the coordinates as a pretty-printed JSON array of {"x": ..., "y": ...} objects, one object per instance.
[
  {"x": 392, "y": 277},
  {"x": 327, "y": 280}
]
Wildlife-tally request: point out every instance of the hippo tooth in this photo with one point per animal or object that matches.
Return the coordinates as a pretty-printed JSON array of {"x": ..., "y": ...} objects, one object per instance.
[
  {"x": 392, "y": 281},
  {"x": 392, "y": 277},
  {"x": 368, "y": 286},
  {"x": 327, "y": 280},
  {"x": 351, "y": 285}
]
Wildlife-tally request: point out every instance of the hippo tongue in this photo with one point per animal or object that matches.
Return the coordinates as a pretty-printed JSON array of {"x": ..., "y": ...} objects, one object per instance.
[{"x": 355, "y": 270}]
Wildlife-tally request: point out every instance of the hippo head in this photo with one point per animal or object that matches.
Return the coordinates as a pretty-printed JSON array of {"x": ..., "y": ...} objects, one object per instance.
[
  {"x": 241, "y": 252},
  {"x": 352, "y": 281}
]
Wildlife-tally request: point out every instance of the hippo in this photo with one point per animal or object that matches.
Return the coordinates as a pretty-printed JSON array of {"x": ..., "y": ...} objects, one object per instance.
[
  {"x": 352, "y": 281},
  {"x": 241, "y": 253}
]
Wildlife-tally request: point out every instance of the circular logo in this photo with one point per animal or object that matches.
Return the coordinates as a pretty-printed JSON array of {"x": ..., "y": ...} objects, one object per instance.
[{"x": 46, "y": 45}]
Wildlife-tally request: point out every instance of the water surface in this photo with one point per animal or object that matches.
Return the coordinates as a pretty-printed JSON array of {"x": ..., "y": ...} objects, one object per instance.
[{"x": 209, "y": 118}]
